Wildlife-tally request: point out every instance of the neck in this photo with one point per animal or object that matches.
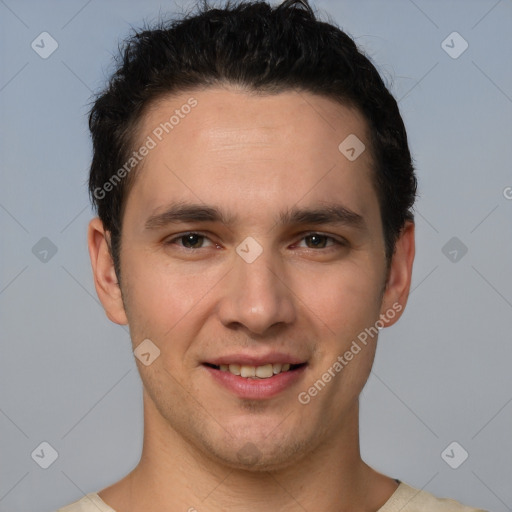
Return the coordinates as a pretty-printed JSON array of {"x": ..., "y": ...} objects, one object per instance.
[{"x": 175, "y": 475}]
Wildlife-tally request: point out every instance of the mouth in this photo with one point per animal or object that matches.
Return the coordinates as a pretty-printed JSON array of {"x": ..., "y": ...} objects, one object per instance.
[
  {"x": 264, "y": 371},
  {"x": 256, "y": 382}
]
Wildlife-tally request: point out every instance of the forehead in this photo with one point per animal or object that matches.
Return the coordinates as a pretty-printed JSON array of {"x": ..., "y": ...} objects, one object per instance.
[{"x": 246, "y": 150}]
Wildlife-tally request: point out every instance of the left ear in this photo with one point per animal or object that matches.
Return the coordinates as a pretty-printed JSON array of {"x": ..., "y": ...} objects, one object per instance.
[{"x": 399, "y": 279}]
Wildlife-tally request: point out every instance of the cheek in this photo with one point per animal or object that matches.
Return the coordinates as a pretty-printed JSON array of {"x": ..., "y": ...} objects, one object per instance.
[
  {"x": 160, "y": 297},
  {"x": 345, "y": 299}
]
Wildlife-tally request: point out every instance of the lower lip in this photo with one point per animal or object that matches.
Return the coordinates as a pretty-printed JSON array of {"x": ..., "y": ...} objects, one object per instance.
[{"x": 256, "y": 389}]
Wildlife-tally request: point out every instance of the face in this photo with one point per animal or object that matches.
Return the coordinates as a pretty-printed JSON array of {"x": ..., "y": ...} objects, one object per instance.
[{"x": 251, "y": 244}]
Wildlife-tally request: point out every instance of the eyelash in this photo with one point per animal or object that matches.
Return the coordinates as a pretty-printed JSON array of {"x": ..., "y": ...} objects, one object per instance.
[{"x": 335, "y": 241}]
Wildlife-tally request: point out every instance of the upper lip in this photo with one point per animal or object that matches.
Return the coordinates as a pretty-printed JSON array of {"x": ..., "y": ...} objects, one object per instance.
[{"x": 256, "y": 360}]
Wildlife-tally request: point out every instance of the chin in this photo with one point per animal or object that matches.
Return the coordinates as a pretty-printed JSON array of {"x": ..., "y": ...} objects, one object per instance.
[{"x": 257, "y": 455}]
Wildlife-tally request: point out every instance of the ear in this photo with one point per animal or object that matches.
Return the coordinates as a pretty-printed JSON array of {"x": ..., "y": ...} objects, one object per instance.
[
  {"x": 105, "y": 279},
  {"x": 399, "y": 278}
]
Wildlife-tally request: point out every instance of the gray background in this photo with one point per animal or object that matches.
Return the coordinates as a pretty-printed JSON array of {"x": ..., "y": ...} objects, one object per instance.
[{"x": 442, "y": 374}]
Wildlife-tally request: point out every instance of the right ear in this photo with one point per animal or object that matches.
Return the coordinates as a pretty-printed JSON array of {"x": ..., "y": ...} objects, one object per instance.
[{"x": 105, "y": 279}]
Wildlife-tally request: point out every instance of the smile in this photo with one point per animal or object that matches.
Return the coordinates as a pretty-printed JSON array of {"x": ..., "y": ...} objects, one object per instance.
[
  {"x": 259, "y": 382},
  {"x": 264, "y": 371}
]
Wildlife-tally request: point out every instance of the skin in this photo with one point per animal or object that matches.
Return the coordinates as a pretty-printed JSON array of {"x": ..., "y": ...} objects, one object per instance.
[{"x": 253, "y": 157}]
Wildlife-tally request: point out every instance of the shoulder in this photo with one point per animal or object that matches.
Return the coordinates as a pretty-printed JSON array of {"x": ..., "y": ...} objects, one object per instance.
[
  {"x": 89, "y": 503},
  {"x": 408, "y": 499}
]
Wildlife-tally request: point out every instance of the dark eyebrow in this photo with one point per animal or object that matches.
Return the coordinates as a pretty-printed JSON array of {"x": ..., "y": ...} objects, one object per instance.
[
  {"x": 325, "y": 214},
  {"x": 191, "y": 212},
  {"x": 187, "y": 212}
]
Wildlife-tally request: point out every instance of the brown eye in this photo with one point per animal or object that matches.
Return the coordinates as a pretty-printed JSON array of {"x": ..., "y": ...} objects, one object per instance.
[
  {"x": 320, "y": 241},
  {"x": 192, "y": 240},
  {"x": 317, "y": 241}
]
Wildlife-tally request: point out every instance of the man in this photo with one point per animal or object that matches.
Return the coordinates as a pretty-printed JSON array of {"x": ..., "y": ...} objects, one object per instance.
[{"x": 254, "y": 188}]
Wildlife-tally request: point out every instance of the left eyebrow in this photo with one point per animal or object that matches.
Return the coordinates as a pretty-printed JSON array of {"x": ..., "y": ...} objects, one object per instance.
[{"x": 335, "y": 214}]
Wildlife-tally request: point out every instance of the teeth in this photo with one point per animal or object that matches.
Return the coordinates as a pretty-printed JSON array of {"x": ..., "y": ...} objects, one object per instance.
[
  {"x": 261, "y": 372},
  {"x": 233, "y": 368},
  {"x": 248, "y": 371}
]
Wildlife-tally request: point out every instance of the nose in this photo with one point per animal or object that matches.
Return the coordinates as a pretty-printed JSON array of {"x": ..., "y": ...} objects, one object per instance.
[{"x": 256, "y": 295}]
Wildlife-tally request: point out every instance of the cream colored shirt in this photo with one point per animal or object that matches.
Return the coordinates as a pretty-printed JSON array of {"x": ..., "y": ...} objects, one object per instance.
[{"x": 404, "y": 499}]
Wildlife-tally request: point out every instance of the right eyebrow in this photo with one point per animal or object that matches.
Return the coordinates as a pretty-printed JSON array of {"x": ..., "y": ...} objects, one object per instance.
[{"x": 187, "y": 212}]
